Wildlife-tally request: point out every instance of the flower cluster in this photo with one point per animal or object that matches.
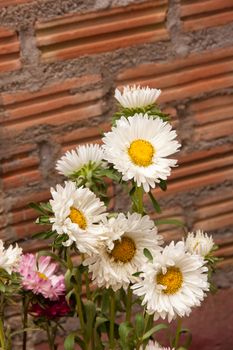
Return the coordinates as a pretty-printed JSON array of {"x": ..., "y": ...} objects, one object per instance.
[{"x": 121, "y": 257}]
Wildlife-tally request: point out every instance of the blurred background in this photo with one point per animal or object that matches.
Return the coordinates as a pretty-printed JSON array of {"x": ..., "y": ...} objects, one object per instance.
[{"x": 60, "y": 62}]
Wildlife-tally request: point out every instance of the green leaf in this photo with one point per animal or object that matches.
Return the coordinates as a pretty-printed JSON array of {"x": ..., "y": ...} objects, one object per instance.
[
  {"x": 99, "y": 321},
  {"x": 125, "y": 329},
  {"x": 90, "y": 313},
  {"x": 148, "y": 254},
  {"x": 154, "y": 330},
  {"x": 43, "y": 235},
  {"x": 69, "y": 342},
  {"x": 155, "y": 203},
  {"x": 139, "y": 325},
  {"x": 37, "y": 207},
  {"x": 42, "y": 220},
  {"x": 175, "y": 222},
  {"x": 163, "y": 185},
  {"x": 136, "y": 274},
  {"x": 46, "y": 207}
]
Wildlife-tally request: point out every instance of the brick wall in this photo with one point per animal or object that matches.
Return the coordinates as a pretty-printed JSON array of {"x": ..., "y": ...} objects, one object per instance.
[{"x": 60, "y": 62}]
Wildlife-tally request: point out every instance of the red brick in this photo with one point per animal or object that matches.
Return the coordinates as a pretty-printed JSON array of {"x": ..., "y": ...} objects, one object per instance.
[
  {"x": 82, "y": 136},
  {"x": 108, "y": 30},
  {"x": 6, "y": 3},
  {"x": 55, "y": 104},
  {"x": 9, "y": 50},
  {"x": 184, "y": 77},
  {"x": 21, "y": 179},
  {"x": 19, "y": 163},
  {"x": 21, "y": 201},
  {"x": 200, "y": 169},
  {"x": 203, "y": 14},
  {"x": 213, "y": 117}
]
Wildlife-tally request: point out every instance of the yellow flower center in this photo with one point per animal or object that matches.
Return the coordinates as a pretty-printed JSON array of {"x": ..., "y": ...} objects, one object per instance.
[
  {"x": 123, "y": 250},
  {"x": 42, "y": 276},
  {"x": 141, "y": 152},
  {"x": 77, "y": 217},
  {"x": 172, "y": 279}
]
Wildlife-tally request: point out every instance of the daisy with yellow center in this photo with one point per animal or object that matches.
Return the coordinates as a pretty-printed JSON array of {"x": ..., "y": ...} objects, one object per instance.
[
  {"x": 173, "y": 283},
  {"x": 78, "y": 213},
  {"x": 122, "y": 254},
  {"x": 138, "y": 148}
]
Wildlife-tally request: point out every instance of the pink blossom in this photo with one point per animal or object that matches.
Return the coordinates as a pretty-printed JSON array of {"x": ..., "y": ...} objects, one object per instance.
[{"x": 39, "y": 276}]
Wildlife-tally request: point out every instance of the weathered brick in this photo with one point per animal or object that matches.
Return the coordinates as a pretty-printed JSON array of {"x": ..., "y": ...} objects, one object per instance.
[
  {"x": 184, "y": 77},
  {"x": 9, "y": 50},
  {"x": 196, "y": 170},
  {"x": 81, "y": 136},
  {"x": 213, "y": 117},
  {"x": 56, "y": 104},
  {"x": 215, "y": 212},
  {"x": 96, "y": 32},
  {"x": 6, "y": 3},
  {"x": 203, "y": 14}
]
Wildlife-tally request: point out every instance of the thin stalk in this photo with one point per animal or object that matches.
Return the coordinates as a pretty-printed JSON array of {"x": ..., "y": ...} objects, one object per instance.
[
  {"x": 50, "y": 337},
  {"x": 86, "y": 276},
  {"x": 112, "y": 321},
  {"x": 2, "y": 335},
  {"x": 129, "y": 304},
  {"x": 79, "y": 308},
  {"x": 178, "y": 329},
  {"x": 2, "y": 332},
  {"x": 25, "y": 302},
  {"x": 138, "y": 204},
  {"x": 147, "y": 319}
]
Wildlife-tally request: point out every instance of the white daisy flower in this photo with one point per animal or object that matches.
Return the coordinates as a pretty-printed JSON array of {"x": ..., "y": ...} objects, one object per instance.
[
  {"x": 175, "y": 282},
  {"x": 136, "y": 96},
  {"x": 154, "y": 346},
  {"x": 122, "y": 255},
  {"x": 138, "y": 147},
  {"x": 78, "y": 213},
  {"x": 74, "y": 160},
  {"x": 10, "y": 257},
  {"x": 199, "y": 243}
]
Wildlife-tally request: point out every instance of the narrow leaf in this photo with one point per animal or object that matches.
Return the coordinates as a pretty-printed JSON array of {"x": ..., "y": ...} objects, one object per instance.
[
  {"x": 175, "y": 222},
  {"x": 154, "y": 330},
  {"x": 69, "y": 342},
  {"x": 155, "y": 203},
  {"x": 148, "y": 254}
]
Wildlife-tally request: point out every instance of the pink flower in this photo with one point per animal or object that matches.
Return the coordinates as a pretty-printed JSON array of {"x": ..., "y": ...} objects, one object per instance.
[{"x": 39, "y": 276}]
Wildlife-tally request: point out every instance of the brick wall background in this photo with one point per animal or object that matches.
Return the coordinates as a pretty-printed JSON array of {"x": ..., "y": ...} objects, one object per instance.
[{"x": 60, "y": 62}]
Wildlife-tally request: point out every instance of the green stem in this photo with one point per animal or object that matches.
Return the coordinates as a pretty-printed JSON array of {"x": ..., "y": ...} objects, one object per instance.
[
  {"x": 50, "y": 337},
  {"x": 79, "y": 308},
  {"x": 178, "y": 329},
  {"x": 2, "y": 332},
  {"x": 77, "y": 287},
  {"x": 86, "y": 276},
  {"x": 138, "y": 202},
  {"x": 112, "y": 321},
  {"x": 25, "y": 302},
  {"x": 129, "y": 304}
]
